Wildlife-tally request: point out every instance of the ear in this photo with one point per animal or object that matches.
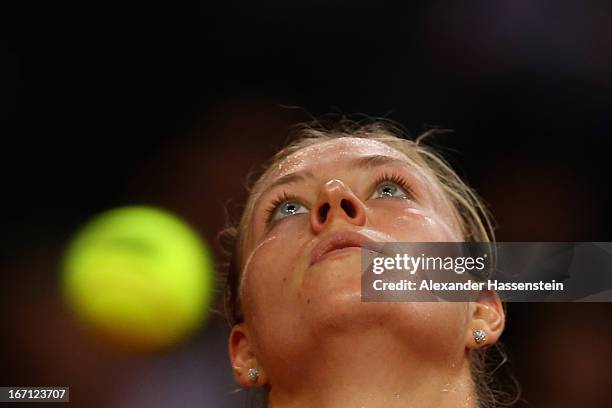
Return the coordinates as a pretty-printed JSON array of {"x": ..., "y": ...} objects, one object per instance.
[
  {"x": 487, "y": 314},
  {"x": 243, "y": 358}
]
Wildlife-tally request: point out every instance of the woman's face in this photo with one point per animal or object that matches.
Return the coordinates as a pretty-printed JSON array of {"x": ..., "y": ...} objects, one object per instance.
[{"x": 347, "y": 184}]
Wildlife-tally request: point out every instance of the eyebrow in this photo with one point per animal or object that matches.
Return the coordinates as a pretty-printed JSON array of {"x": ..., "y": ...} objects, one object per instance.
[
  {"x": 364, "y": 162},
  {"x": 377, "y": 160}
]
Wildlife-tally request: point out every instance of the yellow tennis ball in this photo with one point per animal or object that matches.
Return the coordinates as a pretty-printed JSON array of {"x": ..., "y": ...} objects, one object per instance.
[{"x": 139, "y": 276}]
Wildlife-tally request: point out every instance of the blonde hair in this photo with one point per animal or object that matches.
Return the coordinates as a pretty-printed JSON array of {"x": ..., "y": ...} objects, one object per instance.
[{"x": 469, "y": 212}]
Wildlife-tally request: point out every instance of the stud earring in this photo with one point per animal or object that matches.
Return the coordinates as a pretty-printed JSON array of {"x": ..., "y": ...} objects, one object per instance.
[
  {"x": 253, "y": 375},
  {"x": 479, "y": 336}
]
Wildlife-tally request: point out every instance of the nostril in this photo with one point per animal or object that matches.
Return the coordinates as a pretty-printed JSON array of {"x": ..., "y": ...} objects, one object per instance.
[
  {"x": 323, "y": 212},
  {"x": 348, "y": 208}
]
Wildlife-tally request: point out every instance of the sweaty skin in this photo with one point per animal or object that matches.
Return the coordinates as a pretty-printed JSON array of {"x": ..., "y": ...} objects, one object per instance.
[{"x": 306, "y": 326}]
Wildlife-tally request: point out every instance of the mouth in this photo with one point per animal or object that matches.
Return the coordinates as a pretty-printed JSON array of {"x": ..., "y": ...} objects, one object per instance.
[{"x": 342, "y": 242}]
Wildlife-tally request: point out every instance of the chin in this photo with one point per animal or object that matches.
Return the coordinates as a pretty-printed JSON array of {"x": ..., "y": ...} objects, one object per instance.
[
  {"x": 331, "y": 292},
  {"x": 343, "y": 311}
]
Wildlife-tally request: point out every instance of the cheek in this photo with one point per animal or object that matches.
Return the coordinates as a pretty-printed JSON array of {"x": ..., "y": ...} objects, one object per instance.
[
  {"x": 269, "y": 278},
  {"x": 427, "y": 325},
  {"x": 412, "y": 224},
  {"x": 273, "y": 305}
]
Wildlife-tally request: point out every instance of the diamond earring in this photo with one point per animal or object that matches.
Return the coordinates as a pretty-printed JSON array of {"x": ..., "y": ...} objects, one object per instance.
[
  {"x": 253, "y": 375},
  {"x": 479, "y": 336}
]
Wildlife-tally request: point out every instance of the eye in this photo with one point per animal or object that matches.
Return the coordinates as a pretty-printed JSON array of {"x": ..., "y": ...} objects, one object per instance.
[
  {"x": 392, "y": 186},
  {"x": 389, "y": 189},
  {"x": 284, "y": 206}
]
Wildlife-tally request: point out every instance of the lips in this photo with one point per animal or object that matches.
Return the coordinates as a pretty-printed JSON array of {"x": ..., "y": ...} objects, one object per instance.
[{"x": 341, "y": 240}]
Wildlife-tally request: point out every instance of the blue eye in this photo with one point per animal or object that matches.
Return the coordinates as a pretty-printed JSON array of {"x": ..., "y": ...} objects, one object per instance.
[
  {"x": 286, "y": 209},
  {"x": 390, "y": 190},
  {"x": 284, "y": 206},
  {"x": 392, "y": 186}
]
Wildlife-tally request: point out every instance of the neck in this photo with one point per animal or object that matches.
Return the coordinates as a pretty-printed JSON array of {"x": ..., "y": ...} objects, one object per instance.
[{"x": 373, "y": 370}]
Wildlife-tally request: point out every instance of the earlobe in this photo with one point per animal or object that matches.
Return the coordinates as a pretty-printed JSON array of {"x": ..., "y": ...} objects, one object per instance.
[
  {"x": 246, "y": 369},
  {"x": 487, "y": 320}
]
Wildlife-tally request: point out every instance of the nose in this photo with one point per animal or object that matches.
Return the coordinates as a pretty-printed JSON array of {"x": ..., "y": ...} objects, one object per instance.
[{"x": 336, "y": 201}]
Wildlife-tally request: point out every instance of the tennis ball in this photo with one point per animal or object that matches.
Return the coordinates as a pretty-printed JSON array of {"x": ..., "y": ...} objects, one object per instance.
[{"x": 139, "y": 276}]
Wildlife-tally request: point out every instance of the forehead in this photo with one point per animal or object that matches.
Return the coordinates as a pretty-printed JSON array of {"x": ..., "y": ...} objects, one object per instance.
[{"x": 332, "y": 152}]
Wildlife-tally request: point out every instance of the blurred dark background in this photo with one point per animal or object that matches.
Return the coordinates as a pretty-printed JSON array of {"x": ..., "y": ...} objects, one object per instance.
[{"x": 104, "y": 105}]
